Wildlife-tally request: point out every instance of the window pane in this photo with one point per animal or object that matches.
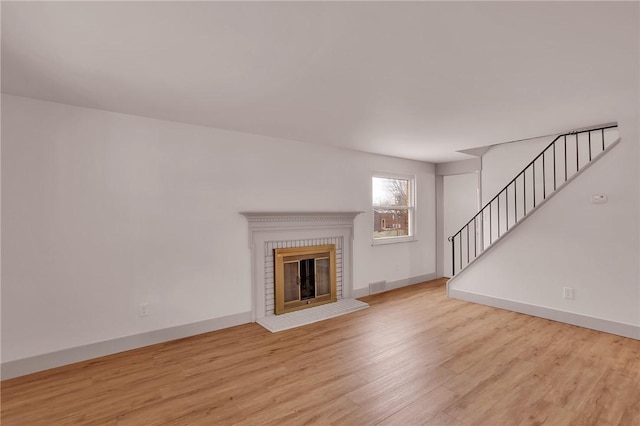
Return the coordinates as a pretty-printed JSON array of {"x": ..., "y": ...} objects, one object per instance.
[
  {"x": 390, "y": 192},
  {"x": 291, "y": 288},
  {"x": 307, "y": 279},
  {"x": 390, "y": 223},
  {"x": 323, "y": 277}
]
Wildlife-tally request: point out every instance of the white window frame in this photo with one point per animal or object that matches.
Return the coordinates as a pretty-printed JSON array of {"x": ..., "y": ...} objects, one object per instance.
[{"x": 411, "y": 208}]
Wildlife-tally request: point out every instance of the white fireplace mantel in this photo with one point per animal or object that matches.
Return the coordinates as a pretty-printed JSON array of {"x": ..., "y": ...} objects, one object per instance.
[{"x": 286, "y": 226}]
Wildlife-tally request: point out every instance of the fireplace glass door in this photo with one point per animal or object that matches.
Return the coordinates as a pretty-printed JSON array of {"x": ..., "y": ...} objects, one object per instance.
[{"x": 305, "y": 276}]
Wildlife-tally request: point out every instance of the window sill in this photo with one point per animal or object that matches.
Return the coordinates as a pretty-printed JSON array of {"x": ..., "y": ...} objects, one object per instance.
[{"x": 393, "y": 240}]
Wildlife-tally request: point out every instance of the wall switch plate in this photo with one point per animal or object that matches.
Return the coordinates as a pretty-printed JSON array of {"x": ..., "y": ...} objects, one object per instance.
[
  {"x": 567, "y": 293},
  {"x": 599, "y": 199},
  {"x": 144, "y": 310}
]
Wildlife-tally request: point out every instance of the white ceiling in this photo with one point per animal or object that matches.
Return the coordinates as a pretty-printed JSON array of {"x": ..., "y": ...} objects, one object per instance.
[{"x": 417, "y": 80}]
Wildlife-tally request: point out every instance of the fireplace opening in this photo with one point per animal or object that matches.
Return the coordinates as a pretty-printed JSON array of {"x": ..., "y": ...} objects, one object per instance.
[{"x": 304, "y": 277}]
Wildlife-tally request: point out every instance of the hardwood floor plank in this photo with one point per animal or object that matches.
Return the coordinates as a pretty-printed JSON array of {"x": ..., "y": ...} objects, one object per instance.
[
  {"x": 317, "y": 414},
  {"x": 497, "y": 342},
  {"x": 443, "y": 419},
  {"x": 605, "y": 404},
  {"x": 423, "y": 409},
  {"x": 513, "y": 407},
  {"x": 631, "y": 414},
  {"x": 275, "y": 406},
  {"x": 472, "y": 406},
  {"x": 571, "y": 388},
  {"x": 545, "y": 413},
  {"x": 383, "y": 398}
]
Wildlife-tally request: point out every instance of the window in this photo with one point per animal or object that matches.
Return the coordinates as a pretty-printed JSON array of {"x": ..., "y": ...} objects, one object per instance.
[{"x": 393, "y": 208}]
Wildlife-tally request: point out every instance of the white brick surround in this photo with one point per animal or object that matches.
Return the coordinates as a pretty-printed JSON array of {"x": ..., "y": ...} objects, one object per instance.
[
  {"x": 269, "y": 278},
  {"x": 269, "y": 230}
]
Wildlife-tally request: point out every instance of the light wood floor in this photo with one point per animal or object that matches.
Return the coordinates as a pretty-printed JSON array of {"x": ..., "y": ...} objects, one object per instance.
[{"x": 413, "y": 357}]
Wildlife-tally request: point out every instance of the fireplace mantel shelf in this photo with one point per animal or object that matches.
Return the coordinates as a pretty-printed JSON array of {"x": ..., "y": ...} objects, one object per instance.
[
  {"x": 258, "y": 216},
  {"x": 273, "y": 221}
]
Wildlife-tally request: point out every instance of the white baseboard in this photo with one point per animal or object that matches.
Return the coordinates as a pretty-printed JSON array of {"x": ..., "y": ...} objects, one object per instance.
[
  {"x": 33, "y": 364},
  {"x": 359, "y": 292},
  {"x": 362, "y": 292},
  {"x": 599, "y": 324}
]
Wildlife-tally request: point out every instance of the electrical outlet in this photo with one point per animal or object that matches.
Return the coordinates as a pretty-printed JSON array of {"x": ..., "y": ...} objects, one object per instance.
[
  {"x": 144, "y": 309},
  {"x": 567, "y": 293}
]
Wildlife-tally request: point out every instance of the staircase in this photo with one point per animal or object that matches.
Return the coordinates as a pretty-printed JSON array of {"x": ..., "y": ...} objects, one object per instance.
[{"x": 563, "y": 160}]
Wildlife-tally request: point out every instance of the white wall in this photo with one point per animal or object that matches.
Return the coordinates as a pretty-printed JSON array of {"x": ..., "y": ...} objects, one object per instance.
[
  {"x": 501, "y": 163},
  {"x": 102, "y": 211},
  {"x": 570, "y": 242},
  {"x": 459, "y": 199},
  {"x": 460, "y": 204}
]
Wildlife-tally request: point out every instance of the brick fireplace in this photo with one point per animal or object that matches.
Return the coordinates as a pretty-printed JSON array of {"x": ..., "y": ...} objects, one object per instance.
[{"x": 282, "y": 230}]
